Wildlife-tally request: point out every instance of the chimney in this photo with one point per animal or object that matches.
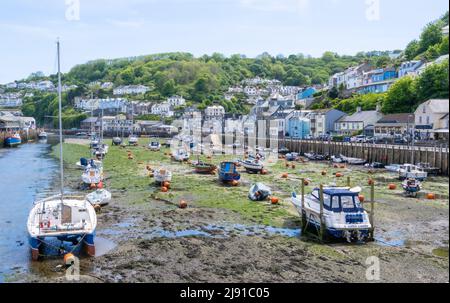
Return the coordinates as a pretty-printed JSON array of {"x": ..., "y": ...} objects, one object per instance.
[{"x": 358, "y": 109}]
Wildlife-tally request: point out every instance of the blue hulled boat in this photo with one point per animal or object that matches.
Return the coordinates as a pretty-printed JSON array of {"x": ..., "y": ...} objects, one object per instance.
[
  {"x": 13, "y": 140},
  {"x": 228, "y": 172}
]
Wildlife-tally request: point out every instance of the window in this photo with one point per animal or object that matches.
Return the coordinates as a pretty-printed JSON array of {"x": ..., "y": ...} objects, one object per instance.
[
  {"x": 347, "y": 203},
  {"x": 424, "y": 110},
  {"x": 420, "y": 119},
  {"x": 335, "y": 203},
  {"x": 428, "y": 119}
]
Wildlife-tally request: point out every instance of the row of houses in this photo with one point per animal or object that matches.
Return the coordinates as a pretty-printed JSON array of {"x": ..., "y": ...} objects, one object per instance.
[
  {"x": 10, "y": 100},
  {"x": 363, "y": 79},
  {"x": 15, "y": 121}
]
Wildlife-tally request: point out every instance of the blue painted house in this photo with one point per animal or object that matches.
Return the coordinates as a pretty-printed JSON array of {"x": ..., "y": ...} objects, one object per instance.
[
  {"x": 378, "y": 80},
  {"x": 306, "y": 93},
  {"x": 297, "y": 126}
]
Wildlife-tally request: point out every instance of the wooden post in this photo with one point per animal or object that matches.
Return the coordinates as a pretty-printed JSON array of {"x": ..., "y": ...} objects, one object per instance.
[
  {"x": 348, "y": 181},
  {"x": 322, "y": 225},
  {"x": 372, "y": 210}
]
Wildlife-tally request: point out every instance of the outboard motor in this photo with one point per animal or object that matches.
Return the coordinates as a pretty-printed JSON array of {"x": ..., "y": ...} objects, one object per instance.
[{"x": 83, "y": 161}]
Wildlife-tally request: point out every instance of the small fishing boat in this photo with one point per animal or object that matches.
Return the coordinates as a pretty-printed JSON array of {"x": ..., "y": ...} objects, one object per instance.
[
  {"x": 201, "y": 167},
  {"x": 43, "y": 135},
  {"x": 343, "y": 215},
  {"x": 394, "y": 168},
  {"x": 252, "y": 165},
  {"x": 162, "y": 175},
  {"x": 283, "y": 151},
  {"x": 13, "y": 140},
  {"x": 180, "y": 155},
  {"x": 315, "y": 156},
  {"x": 117, "y": 141},
  {"x": 92, "y": 175},
  {"x": 259, "y": 192},
  {"x": 374, "y": 165},
  {"x": 154, "y": 146},
  {"x": 337, "y": 159},
  {"x": 353, "y": 161},
  {"x": 431, "y": 170},
  {"x": 99, "y": 197},
  {"x": 94, "y": 144},
  {"x": 228, "y": 172},
  {"x": 411, "y": 187},
  {"x": 101, "y": 151},
  {"x": 133, "y": 140},
  {"x": 410, "y": 171},
  {"x": 292, "y": 156},
  {"x": 84, "y": 163}
]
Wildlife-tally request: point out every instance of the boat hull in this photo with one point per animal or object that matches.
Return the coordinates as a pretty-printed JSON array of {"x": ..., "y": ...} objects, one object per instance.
[{"x": 12, "y": 142}]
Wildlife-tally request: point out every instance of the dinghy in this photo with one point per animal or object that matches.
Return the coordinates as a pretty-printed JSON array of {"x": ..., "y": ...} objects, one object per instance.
[
  {"x": 292, "y": 156},
  {"x": 201, "y": 167},
  {"x": 154, "y": 146},
  {"x": 394, "y": 168},
  {"x": 228, "y": 172},
  {"x": 259, "y": 192},
  {"x": 343, "y": 215},
  {"x": 117, "y": 141},
  {"x": 99, "y": 197},
  {"x": 353, "y": 161},
  {"x": 162, "y": 175},
  {"x": 133, "y": 140},
  {"x": 180, "y": 155},
  {"x": 411, "y": 187},
  {"x": 252, "y": 165}
]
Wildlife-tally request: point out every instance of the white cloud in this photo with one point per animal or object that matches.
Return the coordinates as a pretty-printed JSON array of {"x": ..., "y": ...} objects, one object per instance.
[
  {"x": 130, "y": 24},
  {"x": 276, "y": 5}
]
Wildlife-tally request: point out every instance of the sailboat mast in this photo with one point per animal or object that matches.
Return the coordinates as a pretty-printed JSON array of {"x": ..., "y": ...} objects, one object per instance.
[{"x": 61, "y": 160}]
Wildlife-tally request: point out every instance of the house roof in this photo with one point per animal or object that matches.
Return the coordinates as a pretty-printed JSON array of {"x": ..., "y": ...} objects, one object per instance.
[
  {"x": 371, "y": 116},
  {"x": 397, "y": 118},
  {"x": 438, "y": 105},
  {"x": 89, "y": 120}
]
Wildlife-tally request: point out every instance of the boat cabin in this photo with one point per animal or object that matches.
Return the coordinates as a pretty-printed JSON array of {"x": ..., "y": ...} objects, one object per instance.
[{"x": 339, "y": 200}]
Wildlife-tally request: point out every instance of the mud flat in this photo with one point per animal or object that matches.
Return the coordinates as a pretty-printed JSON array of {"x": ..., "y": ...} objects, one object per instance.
[{"x": 224, "y": 237}]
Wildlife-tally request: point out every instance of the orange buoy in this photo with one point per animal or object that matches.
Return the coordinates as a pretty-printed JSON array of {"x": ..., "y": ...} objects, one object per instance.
[
  {"x": 338, "y": 175},
  {"x": 370, "y": 182},
  {"x": 336, "y": 166},
  {"x": 97, "y": 208},
  {"x": 324, "y": 173},
  {"x": 274, "y": 200},
  {"x": 164, "y": 189},
  {"x": 285, "y": 175},
  {"x": 69, "y": 259},
  {"x": 342, "y": 166},
  {"x": 183, "y": 204},
  {"x": 306, "y": 182},
  {"x": 93, "y": 185},
  {"x": 361, "y": 198},
  {"x": 148, "y": 167},
  {"x": 293, "y": 166},
  {"x": 264, "y": 172},
  {"x": 431, "y": 196},
  {"x": 392, "y": 186},
  {"x": 100, "y": 185},
  {"x": 234, "y": 183},
  {"x": 166, "y": 184},
  {"x": 287, "y": 165}
]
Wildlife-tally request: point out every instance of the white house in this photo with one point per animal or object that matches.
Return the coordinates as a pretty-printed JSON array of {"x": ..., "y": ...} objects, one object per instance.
[
  {"x": 10, "y": 101},
  {"x": 131, "y": 90},
  {"x": 409, "y": 68},
  {"x": 162, "y": 109},
  {"x": 45, "y": 85},
  {"x": 214, "y": 112},
  {"x": 176, "y": 101},
  {"x": 359, "y": 121},
  {"x": 431, "y": 118}
]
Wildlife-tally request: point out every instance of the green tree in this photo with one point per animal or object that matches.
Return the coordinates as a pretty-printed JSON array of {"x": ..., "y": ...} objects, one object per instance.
[
  {"x": 433, "y": 82},
  {"x": 401, "y": 97}
]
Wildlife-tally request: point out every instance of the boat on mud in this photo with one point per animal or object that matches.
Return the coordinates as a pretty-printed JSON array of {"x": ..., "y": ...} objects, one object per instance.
[
  {"x": 252, "y": 165},
  {"x": 92, "y": 175},
  {"x": 61, "y": 217},
  {"x": 116, "y": 141},
  {"x": 315, "y": 156},
  {"x": 283, "y": 151},
  {"x": 154, "y": 146},
  {"x": 337, "y": 159},
  {"x": 228, "y": 172},
  {"x": 428, "y": 168},
  {"x": 201, "y": 167},
  {"x": 374, "y": 165},
  {"x": 411, "y": 187},
  {"x": 353, "y": 161},
  {"x": 410, "y": 171},
  {"x": 133, "y": 140},
  {"x": 259, "y": 192},
  {"x": 292, "y": 157},
  {"x": 394, "y": 168},
  {"x": 343, "y": 215},
  {"x": 84, "y": 163},
  {"x": 43, "y": 136},
  {"x": 13, "y": 140},
  {"x": 162, "y": 175},
  {"x": 99, "y": 197},
  {"x": 180, "y": 155}
]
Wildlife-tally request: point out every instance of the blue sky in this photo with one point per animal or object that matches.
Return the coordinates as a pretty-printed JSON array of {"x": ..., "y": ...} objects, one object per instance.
[{"x": 114, "y": 28}]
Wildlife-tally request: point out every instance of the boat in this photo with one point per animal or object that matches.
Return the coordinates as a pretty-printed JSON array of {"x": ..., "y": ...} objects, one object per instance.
[
  {"x": 431, "y": 170},
  {"x": 259, "y": 192},
  {"x": 343, "y": 215},
  {"x": 117, "y": 141},
  {"x": 252, "y": 165},
  {"x": 162, "y": 175},
  {"x": 228, "y": 172},
  {"x": 94, "y": 144},
  {"x": 337, "y": 159},
  {"x": 315, "y": 156},
  {"x": 408, "y": 171},
  {"x": 374, "y": 165},
  {"x": 93, "y": 174},
  {"x": 393, "y": 168},
  {"x": 353, "y": 161},
  {"x": 101, "y": 151},
  {"x": 180, "y": 155},
  {"x": 283, "y": 151},
  {"x": 13, "y": 140},
  {"x": 84, "y": 163},
  {"x": 133, "y": 140},
  {"x": 62, "y": 217},
  {"x": 201, "y": 167},
  {"x": 99, "y": 197},
  {"x": 292, "y": 156},
  {"x": 43, "y": 135},
  {"x": 154, "y": 146},
  {"x": 411, "y": 187}
]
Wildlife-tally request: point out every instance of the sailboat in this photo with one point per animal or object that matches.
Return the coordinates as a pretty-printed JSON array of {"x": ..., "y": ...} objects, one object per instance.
[{"x": 62, "y": 217}]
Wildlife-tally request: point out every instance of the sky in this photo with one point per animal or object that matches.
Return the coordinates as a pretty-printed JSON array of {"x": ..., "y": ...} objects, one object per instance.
[{"x": 103, "y": 29}]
